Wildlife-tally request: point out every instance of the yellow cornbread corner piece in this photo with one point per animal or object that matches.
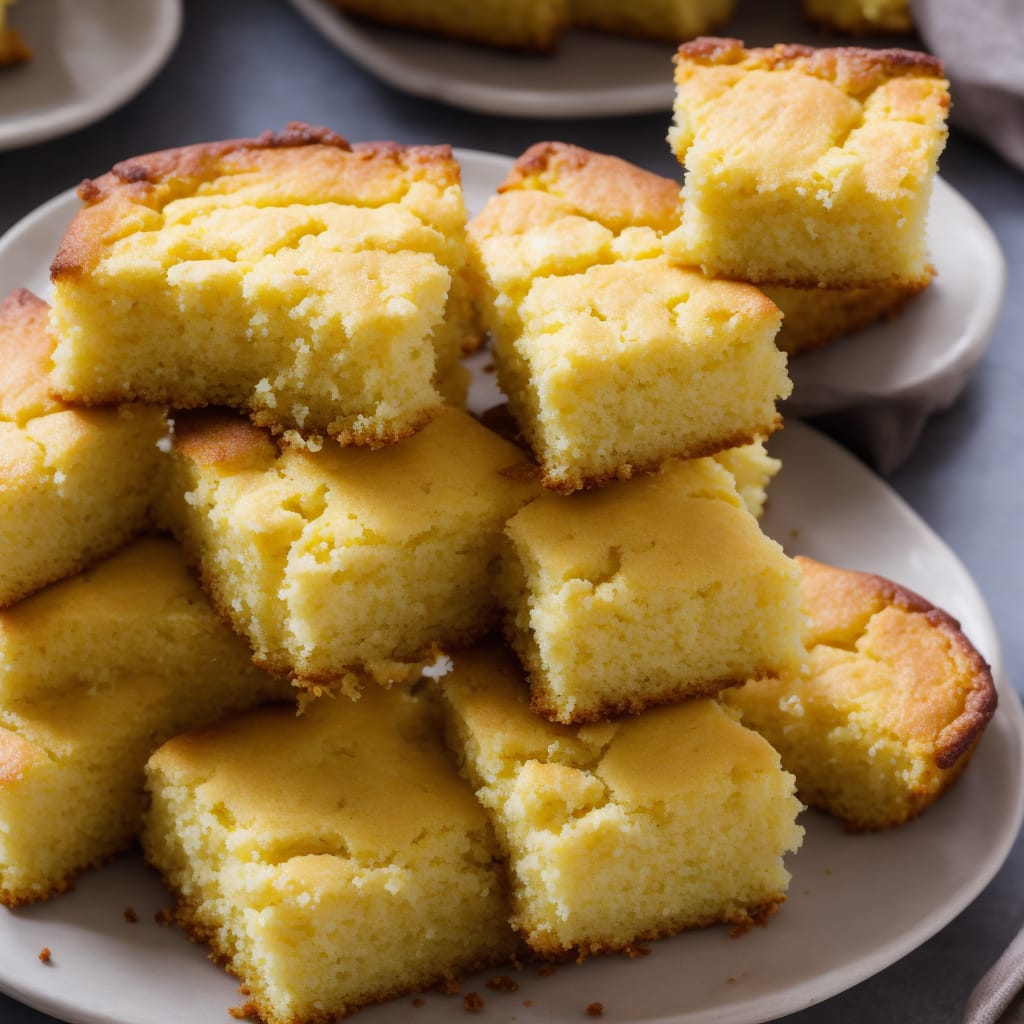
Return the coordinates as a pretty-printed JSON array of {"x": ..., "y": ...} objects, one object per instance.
[
  {"x": 310, "y": 283},
  {"x": 97, "y": 671},
  {"x": 861, "y": 15},
  {"x": 332, "y": 859},
  {"x": 614, "y": 359},
  {"x": 347, "y": 558},
  {"x": 807, "y": 167},
  {"x": 892, "y": 707},
  {"x": 671, "y": 20},
  {"x": 646, "y": 592},
  {"x": 75, "y": 484},
  {"x": 621, "y": 831}
]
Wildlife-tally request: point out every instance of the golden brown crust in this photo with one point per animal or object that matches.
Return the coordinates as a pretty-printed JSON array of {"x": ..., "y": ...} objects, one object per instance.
[
  {"x": 836, "y": 595},
  {"x": 215, "y": 436},
  {"x": 153, "y": 179},
  {"x": 604, "y": 188},
  {"x": 855, "y": 69}
]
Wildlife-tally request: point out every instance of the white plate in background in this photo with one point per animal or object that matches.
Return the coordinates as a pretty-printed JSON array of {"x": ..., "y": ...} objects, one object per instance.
[
  {"x": 923, "y": 356},
  {"x": 91, "y": 57}
]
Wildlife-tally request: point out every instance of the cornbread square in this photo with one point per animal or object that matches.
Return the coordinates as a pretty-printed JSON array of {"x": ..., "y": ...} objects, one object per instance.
[
  {"x": 331, "y": 860},
  {"x": 75, "y": 734},
  {"x": 293, "y": 276},
  {"x": 673, "y": 20},
  {"x": 74, "y": 484},
  {"x": 347, "y": 558},
  {"x": 807, "y": 167},
  {"x": 893, "y": 705},
  {"x": 645, "y": 592},
  {"x": 861, "y": 15},
  {"x": 627, "y": 830},
  {"x": 532, "y": 25}
]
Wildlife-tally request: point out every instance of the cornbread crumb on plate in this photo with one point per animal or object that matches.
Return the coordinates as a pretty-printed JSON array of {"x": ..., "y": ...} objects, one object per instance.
[
  {"x": 894, "y": 703},
  {"x": 612, "y": 357},
  {"x": 72, "y": 752},
  {"x": 346, "y": 559},
  {"x": 294, "y": 276},
  {"x": 333, "y": 859},
  {"x": 75, "y": 484},
  {"x": 626, "y": 830},
  {"x": 645, "y": 592},
  {"x": 807, "y": 167},
  {"x": 861, "y": 15}
]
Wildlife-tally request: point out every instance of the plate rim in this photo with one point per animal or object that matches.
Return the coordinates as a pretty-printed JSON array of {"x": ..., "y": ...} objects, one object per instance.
[{"x": 65, "y": 118}]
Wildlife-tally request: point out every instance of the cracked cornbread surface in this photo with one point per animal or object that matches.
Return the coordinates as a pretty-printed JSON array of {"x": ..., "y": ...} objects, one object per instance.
[
  {"x": 892, "y": 706},
  {"x": 645, "y": 592},
  {"x": 807, "y": 167},
  {"x": 612, "y": 357},
  {"x": 318, "y": 286},
  {"x": 80, "y": 713},
  {"x": 332, "y": 859},
  {"x": 347, "y": 557},
  {"x": 625, "y": 830},
  {"x": 75, "y": 484}
]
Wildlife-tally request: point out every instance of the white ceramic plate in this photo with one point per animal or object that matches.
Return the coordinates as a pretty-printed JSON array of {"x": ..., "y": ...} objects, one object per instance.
[
  {"x": 594, "y": 75},
  {"x": 857, "y": 902},
  {"x": 923, "y": 357},
  {"x": 91, "y": 56}
]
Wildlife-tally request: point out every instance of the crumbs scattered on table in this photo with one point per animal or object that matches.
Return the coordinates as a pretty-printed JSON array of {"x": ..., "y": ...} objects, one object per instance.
[
  {"x": 503, "y": 983},
  {"x": 473, "y": 1002},
  {"x": 130, "y": 916},
  {"x": 731, "y": 980},
  {"x": 419, "y": 1001},
  {"x": 45, "y": 956},
  {"x": 527, "y": 1002},
  {"x": 595, "y": 1010},
  {"x": 164, "y": 917}
]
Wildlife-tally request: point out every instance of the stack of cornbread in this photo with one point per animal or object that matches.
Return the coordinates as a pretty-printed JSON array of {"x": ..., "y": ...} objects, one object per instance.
[{"x": 572, "y": 793}]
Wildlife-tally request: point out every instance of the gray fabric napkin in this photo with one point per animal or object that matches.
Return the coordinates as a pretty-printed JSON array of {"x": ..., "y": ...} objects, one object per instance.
[
  {"x": 998, "y": 995},
  {"x": 981, "y": 44}
]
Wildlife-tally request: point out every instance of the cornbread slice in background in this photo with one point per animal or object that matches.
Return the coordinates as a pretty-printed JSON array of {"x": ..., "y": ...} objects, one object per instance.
[
  {"x": 74, "y": 484},
  {"x": 627, "y": 830},
  {"x": 13, "y": 49},
  {"x": 645, "y": 592},
  {"x": 293, "y": 276},
  {"x": 531, "y": 25},
  {"x": 807, "y": 167},
  {"x": 672, "y": 20},
  {"x": 331, "y": 860},
  {"x": 612, "y": 358},
  {"x": 347, "y": 558},
  {"x": 82, "y": 710},
  {"x": 861, "y": 15},
  {"x": 895, "y": 700}
]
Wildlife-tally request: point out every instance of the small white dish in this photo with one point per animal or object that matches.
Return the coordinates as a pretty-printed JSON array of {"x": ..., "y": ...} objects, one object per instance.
[
  {"x": 919, "y": 360},
  {"x": 593, "y": 75},
  {"x": 857, "y": 903},
  {"x": 91, "y": 57}
]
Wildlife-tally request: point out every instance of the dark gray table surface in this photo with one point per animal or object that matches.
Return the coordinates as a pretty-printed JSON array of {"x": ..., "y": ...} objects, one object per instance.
[{"x": 242, "y": 67}]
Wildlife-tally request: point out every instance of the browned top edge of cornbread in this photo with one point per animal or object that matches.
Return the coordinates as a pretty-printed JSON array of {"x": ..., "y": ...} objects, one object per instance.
[
  {"x": 858, "y": 70},
  {"x": 959, "y": 737},
  {"x": 215, "y": 436},
  {"x": 153, "y": 178},
  {"x": 602, "y": 187}
]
